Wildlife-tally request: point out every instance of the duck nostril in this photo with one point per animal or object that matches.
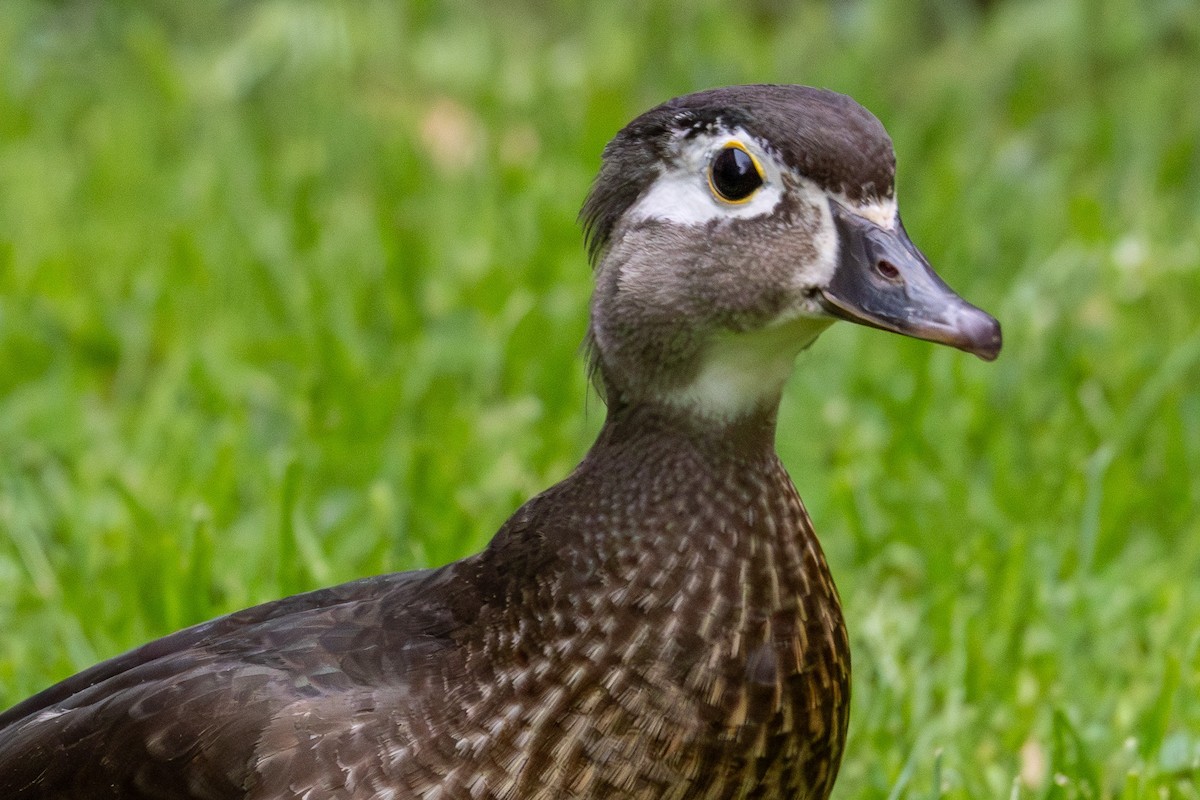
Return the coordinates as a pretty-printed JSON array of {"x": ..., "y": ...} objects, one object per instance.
[{"x": 887, "y": 269}]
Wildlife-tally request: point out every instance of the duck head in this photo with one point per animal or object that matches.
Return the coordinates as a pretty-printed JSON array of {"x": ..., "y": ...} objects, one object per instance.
[{"x": 728, "y": 228}]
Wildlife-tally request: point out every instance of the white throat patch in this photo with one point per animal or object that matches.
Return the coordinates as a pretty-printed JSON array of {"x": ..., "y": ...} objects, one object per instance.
[
  {"x": 681, "y": 192},
  {"x": 743, "y": 371}
]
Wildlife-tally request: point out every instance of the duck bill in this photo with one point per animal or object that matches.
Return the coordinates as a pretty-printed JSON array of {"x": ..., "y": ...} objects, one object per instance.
[{"x": 882, "y": 280}]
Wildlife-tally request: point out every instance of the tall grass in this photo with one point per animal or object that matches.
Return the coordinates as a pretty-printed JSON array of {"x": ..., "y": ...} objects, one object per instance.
[{"x": 292, "y": 292}]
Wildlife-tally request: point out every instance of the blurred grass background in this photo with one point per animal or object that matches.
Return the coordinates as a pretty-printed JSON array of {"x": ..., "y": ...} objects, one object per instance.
[{"x": 292, "y": 292}]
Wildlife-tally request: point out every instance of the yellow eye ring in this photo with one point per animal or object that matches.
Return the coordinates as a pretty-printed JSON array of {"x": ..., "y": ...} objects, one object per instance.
[{"x": 734, "y": 174}]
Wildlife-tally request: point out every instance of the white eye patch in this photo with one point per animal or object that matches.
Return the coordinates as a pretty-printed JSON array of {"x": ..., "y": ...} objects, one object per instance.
[
  {"x": 682, "y": 193},
  {"x": 882, "y": 212}
]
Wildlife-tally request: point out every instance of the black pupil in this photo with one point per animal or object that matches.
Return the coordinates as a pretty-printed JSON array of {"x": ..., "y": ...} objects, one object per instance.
[{"x": 734, "y": 175}]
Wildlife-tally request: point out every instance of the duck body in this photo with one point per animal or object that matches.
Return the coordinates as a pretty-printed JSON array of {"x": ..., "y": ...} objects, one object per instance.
[{"x": 660, "y": 624}]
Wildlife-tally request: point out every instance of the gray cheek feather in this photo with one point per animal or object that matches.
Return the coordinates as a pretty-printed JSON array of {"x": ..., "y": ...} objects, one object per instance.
[
  {"x": 664, "y": 290},
  {"x": 640, "y": 315}
]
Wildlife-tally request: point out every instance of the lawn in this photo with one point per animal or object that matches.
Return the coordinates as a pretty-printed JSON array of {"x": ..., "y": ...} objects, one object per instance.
[{"x": 292, "y": 293}]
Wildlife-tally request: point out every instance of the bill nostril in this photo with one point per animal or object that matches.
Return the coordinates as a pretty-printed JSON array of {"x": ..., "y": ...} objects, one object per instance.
[{"x": 887, "y": 269}]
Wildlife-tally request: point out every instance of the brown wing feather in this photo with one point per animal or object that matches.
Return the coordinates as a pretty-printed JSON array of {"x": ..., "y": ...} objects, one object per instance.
[{"x": 187, "y": 716}]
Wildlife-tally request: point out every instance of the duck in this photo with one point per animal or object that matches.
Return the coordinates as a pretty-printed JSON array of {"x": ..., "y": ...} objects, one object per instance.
[{"x": 659, "y": 625}]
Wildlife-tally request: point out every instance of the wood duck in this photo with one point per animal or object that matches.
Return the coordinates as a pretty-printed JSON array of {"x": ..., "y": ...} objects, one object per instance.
[{"x": 660, "y": 624}]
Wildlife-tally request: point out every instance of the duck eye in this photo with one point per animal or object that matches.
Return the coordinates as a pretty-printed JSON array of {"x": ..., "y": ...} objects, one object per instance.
[{"x": 734, "y": 174}]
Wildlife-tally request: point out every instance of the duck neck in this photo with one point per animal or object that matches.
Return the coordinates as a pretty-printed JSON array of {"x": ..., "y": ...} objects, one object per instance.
[
  {"x": 667, "y": 505},
  {"x": 664, "y": 428}
]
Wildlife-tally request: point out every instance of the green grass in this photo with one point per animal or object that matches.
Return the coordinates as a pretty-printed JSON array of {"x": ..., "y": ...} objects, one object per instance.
[{"x": 293, "y": 293}]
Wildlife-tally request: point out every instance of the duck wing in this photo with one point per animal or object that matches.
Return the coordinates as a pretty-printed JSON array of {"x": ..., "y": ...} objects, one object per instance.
[{"x": 236, "y": 707}]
